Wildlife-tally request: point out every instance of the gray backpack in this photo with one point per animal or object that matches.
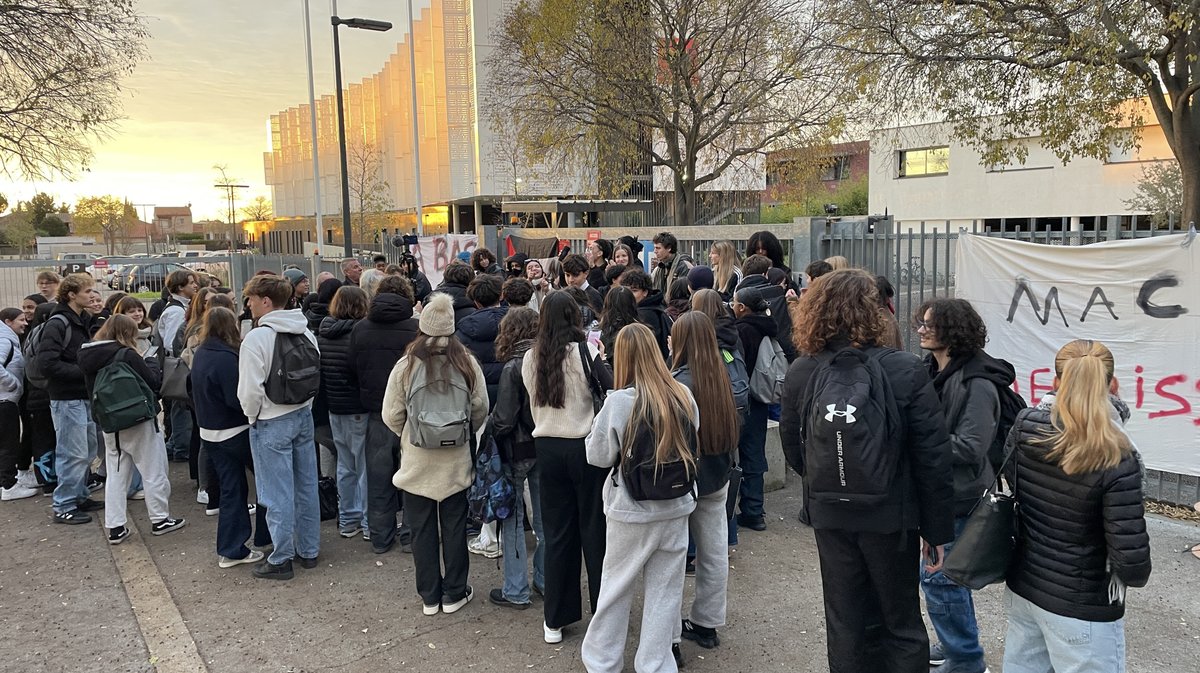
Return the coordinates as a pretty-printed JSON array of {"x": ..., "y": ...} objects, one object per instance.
[
  {"x": 439, "y": 411},
  {"x": 766, "y": 382}
]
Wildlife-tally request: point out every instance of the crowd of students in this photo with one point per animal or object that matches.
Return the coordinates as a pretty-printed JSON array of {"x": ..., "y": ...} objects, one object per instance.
[{"x": 632, "y": 404}]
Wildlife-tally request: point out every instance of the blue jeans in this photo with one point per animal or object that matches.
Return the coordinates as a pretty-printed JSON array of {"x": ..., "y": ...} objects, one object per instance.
[
  {"x": 286, "y": 476},
  {"x": 512, "y": 534},
  {"x": 350, "y": 439},
  {"x": 951, "y": 611},
  {"x": 752, "y": 457},
  {"x": 1043, "y": 642},
  {"x": 179, "y": 444},
  {"x": 75, "y": 435}
]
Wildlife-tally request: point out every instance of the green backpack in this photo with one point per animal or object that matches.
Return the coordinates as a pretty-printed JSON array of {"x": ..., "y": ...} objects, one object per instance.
[{"x": 120, "y": 398}]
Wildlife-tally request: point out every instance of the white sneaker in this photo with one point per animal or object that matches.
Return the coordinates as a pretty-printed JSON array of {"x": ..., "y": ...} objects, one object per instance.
[
  {"x": 487, "y": 551},
  {"x": 138, "y": 495},
  {"x": 27, "y": 479},
  {"x": 253, "y": 557},
  {"x": 18, "y": 492},
  {"x": 552, "y": 636},
  {"x": 202, "y": 497},
  {"x": 450, "y": 608},
  {"x": 430, "y": 610}
]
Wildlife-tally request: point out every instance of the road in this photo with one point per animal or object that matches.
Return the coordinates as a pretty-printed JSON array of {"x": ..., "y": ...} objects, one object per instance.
[{"x": 70, "y": 602}]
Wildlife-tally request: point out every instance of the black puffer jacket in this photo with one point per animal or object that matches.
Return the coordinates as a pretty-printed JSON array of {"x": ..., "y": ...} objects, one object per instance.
[
  {"x": 728, "y": 337},
  {"x": 653, "y": 314},
  {"x": 776, "y": 297},
  {"x": 922, "y": 487},
  {"x": 971, "y": 404},
  {"x": 337, "y": 371},
  {"x": 478, "y": 333},
  {"x": 376, "y": 345},
  {"x": 1076, "y": 530},
  {"x": 97, "y": 355},
  {"x": 512, "y": 422},
  {"x": 463, "y": 307}
]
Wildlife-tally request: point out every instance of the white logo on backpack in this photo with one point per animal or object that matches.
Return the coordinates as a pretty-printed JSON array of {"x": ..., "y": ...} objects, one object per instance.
[{"x": 847, "y": 413}]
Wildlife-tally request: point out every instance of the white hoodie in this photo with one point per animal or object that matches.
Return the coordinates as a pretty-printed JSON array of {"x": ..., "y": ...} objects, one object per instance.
[
  {"x": 254, "y": 362},
  {"x": 12, "y": 375}
]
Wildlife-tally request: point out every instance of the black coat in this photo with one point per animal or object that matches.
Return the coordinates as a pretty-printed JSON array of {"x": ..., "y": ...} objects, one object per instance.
[
  {"x": 376, "y": 345},
  {"x": 776, "y": 297},
  {"x": 512, "y": 421},
  {"x": 971, "y": 405},
  {"x": 463, "y": 307},
  {"x": 653, "y": 314},
  {"x": 1073, "y": 528},
  {"x": 337, "y": 371},
  {"x": 58, "y": 353},
  {"x": 214, "y": 387},
  {"x": 421, "y": 287},
  {"x": 922, "y": 488},
  {"x": 752, "y": 329},
  {"x": 478, "y": 333},
  {"x": 97, "y": 355}
]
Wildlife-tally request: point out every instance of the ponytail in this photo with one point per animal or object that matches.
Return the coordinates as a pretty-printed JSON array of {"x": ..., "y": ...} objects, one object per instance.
[{"x": 1088, "y": 440}]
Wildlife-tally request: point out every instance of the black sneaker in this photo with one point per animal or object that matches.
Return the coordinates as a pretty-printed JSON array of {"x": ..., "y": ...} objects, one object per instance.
[
  {"x": 167, "y": 525},
  {"x": 497, "y": 597},
  {"x": 937, "y": 655},
  {"x": 95, "y": 483},
  {"x": 675, "y": 652},
  {"x": 72, "y": 518},
  {"x": 117, "y": 535},
  {"x": 757, "y": 523},
  {"x": 269, "y": 571},
  {"x": 308, "y": 563},
  {"x": 89, "y": 505},
  {"x": 701, "y": 635},
  {"x": 690, "y": 568}
]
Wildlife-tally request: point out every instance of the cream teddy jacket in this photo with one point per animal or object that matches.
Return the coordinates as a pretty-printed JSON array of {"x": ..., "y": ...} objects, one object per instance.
[{"x": 431, "y": 473}]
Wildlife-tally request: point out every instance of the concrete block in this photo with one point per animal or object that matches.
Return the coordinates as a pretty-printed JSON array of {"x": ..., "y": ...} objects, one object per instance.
[{"x": 776, "y": 476}]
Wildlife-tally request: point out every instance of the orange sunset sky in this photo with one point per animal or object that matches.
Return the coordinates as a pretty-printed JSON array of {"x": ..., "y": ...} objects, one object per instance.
[{"x": 217, "y": 70}]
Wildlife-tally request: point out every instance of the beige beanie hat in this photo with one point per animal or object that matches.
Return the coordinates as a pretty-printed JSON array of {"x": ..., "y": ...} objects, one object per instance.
[{"x": 437, "y": 315}]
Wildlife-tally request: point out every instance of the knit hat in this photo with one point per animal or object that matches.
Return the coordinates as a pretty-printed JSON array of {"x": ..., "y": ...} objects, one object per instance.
[
  {"x": 464, "y": 257},
  {"x": 752, "y": 298},
  {"x": 437, "y": 316},
  {"x": 700, "y": 278},
  {"x": 633, "y": 244},
  {"x": 294, "y": 276}
]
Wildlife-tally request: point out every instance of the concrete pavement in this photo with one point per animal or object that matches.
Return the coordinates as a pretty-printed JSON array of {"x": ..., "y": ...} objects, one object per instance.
[{"x": 70, "y": 602}]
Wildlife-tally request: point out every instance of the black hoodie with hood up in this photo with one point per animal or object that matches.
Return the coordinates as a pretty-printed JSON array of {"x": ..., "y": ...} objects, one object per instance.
[{"x": 376, "y": 345}]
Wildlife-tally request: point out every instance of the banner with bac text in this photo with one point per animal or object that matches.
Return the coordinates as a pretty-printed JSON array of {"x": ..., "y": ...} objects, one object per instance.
[
  {"x": 435, "y": 253},
  {"x": 1140, "y": 297}
]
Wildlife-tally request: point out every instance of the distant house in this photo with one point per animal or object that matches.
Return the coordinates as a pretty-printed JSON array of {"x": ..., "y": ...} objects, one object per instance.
[
  {"x": 789, "y": 179},
  {"x": 173, "y": 220}
]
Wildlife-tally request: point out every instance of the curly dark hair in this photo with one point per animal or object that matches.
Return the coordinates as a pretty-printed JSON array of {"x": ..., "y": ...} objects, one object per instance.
[
  {"x": 517, "y": 292},
  {"x": 956, "y": 323},
  {"x": 485, "y": 290},
  {"x": 520, "y": 323},
  {"x": 770, "y": 245},
  {"x": 838, "y": 305},
  {"x": 457, "y": 273}
]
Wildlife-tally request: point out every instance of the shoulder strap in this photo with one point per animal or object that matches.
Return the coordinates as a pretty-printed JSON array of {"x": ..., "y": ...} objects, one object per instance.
[{"x": 11, "y": 352}]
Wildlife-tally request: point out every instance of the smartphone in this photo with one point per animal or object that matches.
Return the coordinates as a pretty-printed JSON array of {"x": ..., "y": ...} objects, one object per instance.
[{"x": 593, "y": 337}]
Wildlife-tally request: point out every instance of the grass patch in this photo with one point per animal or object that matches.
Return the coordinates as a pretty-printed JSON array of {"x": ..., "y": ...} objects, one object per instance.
[{"x": 145, "y": 295}]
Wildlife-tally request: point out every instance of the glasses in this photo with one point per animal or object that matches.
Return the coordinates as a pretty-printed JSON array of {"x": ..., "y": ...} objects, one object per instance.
[{"x": 924, "y": 325}]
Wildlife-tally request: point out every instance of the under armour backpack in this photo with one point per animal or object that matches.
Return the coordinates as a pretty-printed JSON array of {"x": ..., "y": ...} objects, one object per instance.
[
  {"x": 121, "y": 398},
  {"x": 644, "y": 478},
  {"x": 850, "y": 423},
  {"x": 770, "y": 369},
  {"x": 295, "y": 374},
  {"x": 33, "y": 345},
  {"x": 439, "y": 411}
]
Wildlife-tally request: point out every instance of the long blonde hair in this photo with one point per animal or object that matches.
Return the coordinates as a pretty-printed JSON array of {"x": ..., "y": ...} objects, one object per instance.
[
  {"x": 119, "y": 328},
  {"x": 662, "y": 402},
  {"x": 1087, "y": 439},
  {"x": 730, "y": 262}
]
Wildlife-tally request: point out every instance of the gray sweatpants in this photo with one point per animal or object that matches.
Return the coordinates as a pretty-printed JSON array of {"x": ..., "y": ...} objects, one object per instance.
[
  {"x": 710, "y": 530},
  {"x": 142, "y": 445},
  {"x": 657, "y": 552}
]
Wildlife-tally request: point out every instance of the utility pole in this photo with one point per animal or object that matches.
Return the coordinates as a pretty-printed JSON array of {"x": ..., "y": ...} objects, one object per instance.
[
  {"x": 231, "y": 200},
  {"x": 147, "y": 220}
]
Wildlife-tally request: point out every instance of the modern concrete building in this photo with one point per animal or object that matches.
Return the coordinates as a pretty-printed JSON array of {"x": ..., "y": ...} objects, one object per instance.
[{"x": 921, "y": 174}]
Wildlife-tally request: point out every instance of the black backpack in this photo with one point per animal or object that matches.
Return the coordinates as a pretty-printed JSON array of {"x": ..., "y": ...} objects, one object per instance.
[
  {"x": 646, "y": 480},
  {"x": 33, "y": 345},
  {"x": 295, "y": 375},
  {"x": 1011, "y": 405},
  {"x": 851, "y": 424}
]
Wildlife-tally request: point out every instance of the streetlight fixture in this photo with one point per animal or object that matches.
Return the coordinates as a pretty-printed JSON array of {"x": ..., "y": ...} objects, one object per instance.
[{"x": 362, "y": 24}]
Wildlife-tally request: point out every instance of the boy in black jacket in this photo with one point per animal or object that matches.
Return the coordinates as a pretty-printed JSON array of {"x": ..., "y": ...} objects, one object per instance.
[{"x": 869, "y": 551}]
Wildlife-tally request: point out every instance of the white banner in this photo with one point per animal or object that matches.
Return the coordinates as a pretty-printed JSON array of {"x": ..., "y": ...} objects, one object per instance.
[
  {"x": 435, "y": 253},
  {"x": 1140, "y": 297}
]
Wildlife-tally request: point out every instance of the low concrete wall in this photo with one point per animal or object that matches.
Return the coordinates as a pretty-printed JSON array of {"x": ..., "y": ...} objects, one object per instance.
[{"x": 776, "y": 476}]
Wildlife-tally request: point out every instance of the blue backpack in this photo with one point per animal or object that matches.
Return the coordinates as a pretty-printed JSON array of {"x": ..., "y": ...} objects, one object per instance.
[{"x": 491, "y": 497}]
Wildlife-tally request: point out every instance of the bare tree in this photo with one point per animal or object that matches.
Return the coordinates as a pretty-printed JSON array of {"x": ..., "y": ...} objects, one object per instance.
[
  {"x": 229, "y": 187},
  {"x": 1072, "y": 72},
  {"x": 699, "y": 87},
  {"x": 370, "y": 194},
  {"x": 61, "y": 65},
  {"x": 259, "y": 209}
]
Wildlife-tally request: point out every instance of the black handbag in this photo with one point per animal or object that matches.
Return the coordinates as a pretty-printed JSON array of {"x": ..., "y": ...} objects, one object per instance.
[
  {"x": 598, "y": 392},
  {"x": 327, "y": 497},
  {"x": 731, "y": 495},
  {"x": 983, "y": 552}
]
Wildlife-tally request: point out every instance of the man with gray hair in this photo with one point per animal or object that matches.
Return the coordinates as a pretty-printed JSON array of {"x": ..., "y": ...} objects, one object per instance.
[{"x": 352, "y": 270}]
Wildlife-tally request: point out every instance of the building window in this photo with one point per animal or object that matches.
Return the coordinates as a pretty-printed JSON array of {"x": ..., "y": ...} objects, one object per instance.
[
  {"x": 838, "y": 170},
  {"x": 928, "y": 161}
]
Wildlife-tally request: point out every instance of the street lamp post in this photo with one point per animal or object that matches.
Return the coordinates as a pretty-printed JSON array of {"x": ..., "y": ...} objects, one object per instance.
[{"x": 363, "y": 24}]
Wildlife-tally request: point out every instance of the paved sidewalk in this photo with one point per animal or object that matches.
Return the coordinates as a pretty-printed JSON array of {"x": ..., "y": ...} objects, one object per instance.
[{"x": 64, "y": 607}]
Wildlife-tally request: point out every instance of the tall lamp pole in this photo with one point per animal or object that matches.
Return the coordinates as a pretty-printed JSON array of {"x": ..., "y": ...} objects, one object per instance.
[
  {"x": 363, "y": 24},
  {"x": 412, "y": 72},
  {"x": 312, "y": 118}
]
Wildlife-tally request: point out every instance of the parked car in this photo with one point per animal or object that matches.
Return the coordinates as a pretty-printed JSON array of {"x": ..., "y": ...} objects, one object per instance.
[
  {"x": 116, "y": 279},
  {"x": 149, "y": 277},
  {"x": 75, "y": 262}
]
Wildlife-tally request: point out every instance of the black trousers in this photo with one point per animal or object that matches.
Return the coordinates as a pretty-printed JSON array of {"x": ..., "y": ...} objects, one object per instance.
[
  {"x": 10, "y": 443},
  {"x": 573, "y": 521},
  {"x": 383, "y": 500},
  {"x": 439, "y": 536},
  {"x": 42, "y": 442},
  {"x": 872, "y": 579},
  {"x": 231, "y": 458}
]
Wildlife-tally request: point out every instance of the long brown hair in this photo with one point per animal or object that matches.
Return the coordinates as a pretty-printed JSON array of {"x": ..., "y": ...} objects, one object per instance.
[
  {"x": 438, "y": 353},
  {"x": 349, "y": 303},
  {"x": 197, "y": 308},
  {"x": 694, "y": 345},
  {"x": 558, "y": 327},
  {"x": 221, "y": 324},
  {"x": 662, "y": 402},
  {"x": 119, "y": 328},
  {"x": 842, "y": 304},
  {"x": 518, "y": 324},
  {"x": 1087, "y": 439},
  {"x": 128, "y": 304},
  {"x": 709, "y": 303}
]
